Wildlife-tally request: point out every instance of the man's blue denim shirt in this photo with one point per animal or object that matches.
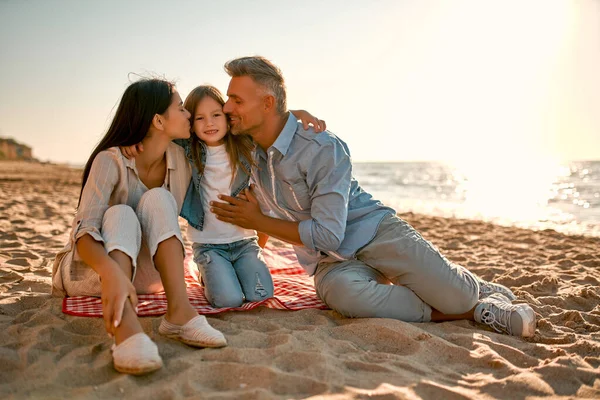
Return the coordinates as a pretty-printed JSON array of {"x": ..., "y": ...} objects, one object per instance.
[
  {"x": 307, "y": 177},
  {"x": 192, "y": 209}
]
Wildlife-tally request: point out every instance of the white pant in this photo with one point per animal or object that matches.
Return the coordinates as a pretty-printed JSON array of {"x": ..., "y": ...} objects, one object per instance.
[{"x": 137, "y": 234}]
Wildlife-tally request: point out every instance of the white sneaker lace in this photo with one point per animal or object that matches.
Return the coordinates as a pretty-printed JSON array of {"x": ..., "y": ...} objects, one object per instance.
[
  {"x": 487, "y": 288},
  {"x": 500, "y": 322}
]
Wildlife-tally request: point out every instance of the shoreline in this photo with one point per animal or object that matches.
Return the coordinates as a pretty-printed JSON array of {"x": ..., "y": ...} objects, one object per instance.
[
  {"x": 13, "y": 170},
  {"x": 309, "y": 353}
]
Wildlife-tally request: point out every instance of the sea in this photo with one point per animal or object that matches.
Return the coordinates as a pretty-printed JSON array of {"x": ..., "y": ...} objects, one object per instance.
[{"x": 560, "y": 196}]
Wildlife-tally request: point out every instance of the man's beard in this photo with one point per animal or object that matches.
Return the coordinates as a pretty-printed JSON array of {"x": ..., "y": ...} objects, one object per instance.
[{"x": 237, "y": 131}]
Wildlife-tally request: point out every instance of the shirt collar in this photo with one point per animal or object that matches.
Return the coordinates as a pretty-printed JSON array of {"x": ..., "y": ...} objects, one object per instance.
[
  {"x": 283, "y": 141},
  {"x": 171, "y": 156}
]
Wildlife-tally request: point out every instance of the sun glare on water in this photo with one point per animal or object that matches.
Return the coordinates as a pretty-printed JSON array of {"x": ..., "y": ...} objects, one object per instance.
[{"x": 512, "y": 191}]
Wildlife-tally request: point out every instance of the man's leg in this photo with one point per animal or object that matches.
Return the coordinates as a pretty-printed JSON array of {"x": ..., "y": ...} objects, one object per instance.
[
  {"x": 354, "y": 289},
  {"x": 401, "y": 254}
]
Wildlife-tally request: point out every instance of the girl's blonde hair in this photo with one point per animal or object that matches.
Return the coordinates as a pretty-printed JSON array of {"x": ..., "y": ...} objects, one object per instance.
[{"x": 236, "y": 145}]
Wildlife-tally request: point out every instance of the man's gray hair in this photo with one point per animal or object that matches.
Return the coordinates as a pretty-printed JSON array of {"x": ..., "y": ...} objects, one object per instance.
[{"x": 264, "y": 73}]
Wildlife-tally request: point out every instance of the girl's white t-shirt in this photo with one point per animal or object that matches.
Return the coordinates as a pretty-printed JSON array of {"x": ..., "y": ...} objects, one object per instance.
[{"x": 216, "y": 180}]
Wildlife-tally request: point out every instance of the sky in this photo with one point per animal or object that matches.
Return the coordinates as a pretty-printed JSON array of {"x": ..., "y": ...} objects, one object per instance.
[{"x": 463, "y": 81}]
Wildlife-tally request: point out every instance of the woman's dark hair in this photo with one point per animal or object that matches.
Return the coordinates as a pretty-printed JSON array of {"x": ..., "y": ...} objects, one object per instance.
[{"x": 141, "y": 101}]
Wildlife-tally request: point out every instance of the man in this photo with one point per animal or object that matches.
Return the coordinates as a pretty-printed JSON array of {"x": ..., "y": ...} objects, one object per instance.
[{"x": 366, "y": 261}]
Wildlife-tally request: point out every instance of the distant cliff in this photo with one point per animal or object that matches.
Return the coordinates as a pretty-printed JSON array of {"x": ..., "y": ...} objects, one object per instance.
[{"x": 10, "y": 149}]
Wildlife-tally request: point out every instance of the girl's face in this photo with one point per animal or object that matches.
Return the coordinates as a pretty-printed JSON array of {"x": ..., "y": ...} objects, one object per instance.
[
  {"x": 210, "y": 124},
  {"x": 177, "y": 119}
]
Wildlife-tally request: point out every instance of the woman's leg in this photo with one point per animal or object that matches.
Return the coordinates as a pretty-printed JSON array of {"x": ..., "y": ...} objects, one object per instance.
[
  {"x": 122, "y": 235},
  {"x": 130, "y": 324},
  {"x": 168, "y": 260},
  {"x": 157, "y": 213}
]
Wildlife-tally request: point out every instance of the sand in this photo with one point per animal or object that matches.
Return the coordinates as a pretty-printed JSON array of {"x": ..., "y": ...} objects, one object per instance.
[{"x": 304, "y": 354}]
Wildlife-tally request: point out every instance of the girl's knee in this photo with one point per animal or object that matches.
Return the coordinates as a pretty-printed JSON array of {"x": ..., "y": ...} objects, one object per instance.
[
  {"x": 226, "y": 300},
  {"x": 261, "y": 288}
]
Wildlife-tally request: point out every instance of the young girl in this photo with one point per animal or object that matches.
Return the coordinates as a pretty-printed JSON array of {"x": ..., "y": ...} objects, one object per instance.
[
  {"x": 125, "y": 236},
  {"x": 229, "y": 257}
]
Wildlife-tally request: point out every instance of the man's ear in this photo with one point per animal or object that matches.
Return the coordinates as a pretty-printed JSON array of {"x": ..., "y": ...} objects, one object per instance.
[
  {"x": 269, "y": 102},
  {"x": 157, "y": 122}
]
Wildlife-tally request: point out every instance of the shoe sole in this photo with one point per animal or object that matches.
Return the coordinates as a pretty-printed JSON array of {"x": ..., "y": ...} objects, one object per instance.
[
  {"x": 195, "y": 344},
  {"x": 527, "y": 314},
  {"x": 139, "y": 371}
]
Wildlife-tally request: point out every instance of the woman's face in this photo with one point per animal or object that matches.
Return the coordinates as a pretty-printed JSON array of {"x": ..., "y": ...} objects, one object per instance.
[
  {"x": 177, "y": 119},
  {"x": 210, "y": 124}
]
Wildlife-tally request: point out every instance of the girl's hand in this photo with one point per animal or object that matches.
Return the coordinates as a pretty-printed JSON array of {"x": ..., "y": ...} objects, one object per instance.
[
  {"x": 308, "y": 119},
  {"x": 132, "y": 151},
  {"x": 116, "y": 290}
]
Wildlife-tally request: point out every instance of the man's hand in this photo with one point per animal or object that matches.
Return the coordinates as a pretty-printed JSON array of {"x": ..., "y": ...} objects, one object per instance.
[
  {"x": 243, "y": 211},
  {"x": 307, "y": 118},
  {"x": 132, "y": 151}
]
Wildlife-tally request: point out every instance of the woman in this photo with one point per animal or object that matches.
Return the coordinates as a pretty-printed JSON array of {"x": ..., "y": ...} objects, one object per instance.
[{"x": 126, "y": 227}]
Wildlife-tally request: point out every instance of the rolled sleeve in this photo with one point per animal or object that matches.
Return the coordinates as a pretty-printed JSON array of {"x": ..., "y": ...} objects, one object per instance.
[
  {"x": 305, "y": 230},
  {"x": 95, "y": 197},
  {"x": 328, "y": 178}
]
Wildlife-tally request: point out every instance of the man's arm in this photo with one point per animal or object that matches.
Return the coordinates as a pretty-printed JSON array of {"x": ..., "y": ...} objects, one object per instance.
[
  {"x": 328, "y": 180},
  {"x": 247, "y": 214}
]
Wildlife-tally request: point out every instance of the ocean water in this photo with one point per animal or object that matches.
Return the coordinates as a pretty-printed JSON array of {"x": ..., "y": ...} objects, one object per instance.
[{"x": 564, "y": 197}]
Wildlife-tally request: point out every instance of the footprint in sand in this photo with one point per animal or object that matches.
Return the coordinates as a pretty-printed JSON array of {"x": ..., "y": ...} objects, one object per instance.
[
  {"x": 566, "y": 263},
  {"x": 23, "y": 262},
  {"x": 556, "y": 257},
  {"x": 10, "y": 277},
  {"x": 7, "y": 237}
]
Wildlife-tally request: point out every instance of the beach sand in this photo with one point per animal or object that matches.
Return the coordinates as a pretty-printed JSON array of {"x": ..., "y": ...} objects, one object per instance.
[{"x": 304, "y": 354}]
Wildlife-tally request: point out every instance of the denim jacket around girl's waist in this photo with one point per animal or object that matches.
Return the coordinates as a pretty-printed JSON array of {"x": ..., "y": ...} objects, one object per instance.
[{"x": 193, "y": 208}]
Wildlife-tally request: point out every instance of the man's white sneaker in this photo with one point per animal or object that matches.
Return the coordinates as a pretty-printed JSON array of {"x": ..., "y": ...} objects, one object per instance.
[
  {"x": 488, "y": 288},
  {"x": 497, "y": 312}
]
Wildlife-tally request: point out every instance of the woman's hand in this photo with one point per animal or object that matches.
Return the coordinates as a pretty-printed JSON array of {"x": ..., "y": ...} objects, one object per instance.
[
  {"x": 117, "y": 289},
  {"x": 132, "y": 151},
  {"x": 308, "y": 119}
]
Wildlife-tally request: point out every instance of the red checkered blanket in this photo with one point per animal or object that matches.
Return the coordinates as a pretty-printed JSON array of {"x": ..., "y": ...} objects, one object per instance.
[{"x": 294, "y": 290}]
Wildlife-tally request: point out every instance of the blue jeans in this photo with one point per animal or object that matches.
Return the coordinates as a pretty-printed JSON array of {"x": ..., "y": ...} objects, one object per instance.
[{"x": 233, "y": 272}]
